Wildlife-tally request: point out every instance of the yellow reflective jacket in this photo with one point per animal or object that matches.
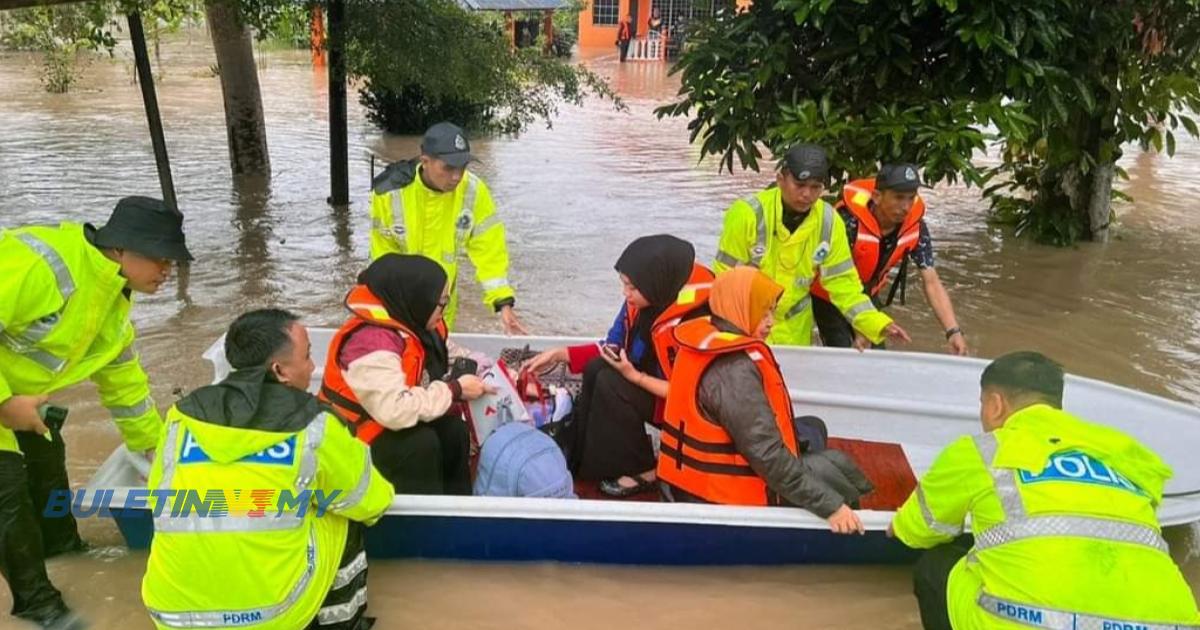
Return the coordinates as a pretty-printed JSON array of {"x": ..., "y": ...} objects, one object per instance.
[
  {"x": 64, "y": 317},
  {"x": 1066, "y": 536},
  {"x": 408, "y": 217},
  {"x": 227, "y": 551},
  {"x": 754, "y": 234}
]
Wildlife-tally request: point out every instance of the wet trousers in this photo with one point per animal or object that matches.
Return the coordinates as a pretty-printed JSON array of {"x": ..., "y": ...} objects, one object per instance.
[
  {"x": 27, "y": 537},
  {"x": 345, "y": 606},
  {"x": 931, "y": 576}
]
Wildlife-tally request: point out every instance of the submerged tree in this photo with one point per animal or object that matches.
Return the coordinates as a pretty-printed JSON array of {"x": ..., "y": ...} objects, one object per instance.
[
  {"x": 1056, "y": 86},
  {"x": 245, "y": 125},
  {"x": 61, "y": 32},
  {"x": 428, "y": 60}
]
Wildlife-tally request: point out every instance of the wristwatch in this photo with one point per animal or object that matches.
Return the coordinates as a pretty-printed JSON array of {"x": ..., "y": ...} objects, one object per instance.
[{"x": 950, "y": 332}]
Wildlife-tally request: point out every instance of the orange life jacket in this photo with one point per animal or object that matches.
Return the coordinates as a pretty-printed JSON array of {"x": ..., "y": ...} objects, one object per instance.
[
  {"x": 692, "y": 297},
  {"x": 698, "y": 455},
  {"x": 367, "y": 310},
  {"x": 856, "y": 197}
]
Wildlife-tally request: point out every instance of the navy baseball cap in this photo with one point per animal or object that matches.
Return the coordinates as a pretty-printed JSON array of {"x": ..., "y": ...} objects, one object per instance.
[
  {"x": 447, "y": 142},
  {"x": 898, "y": 177},
  {"x": 807, "y": 161}
]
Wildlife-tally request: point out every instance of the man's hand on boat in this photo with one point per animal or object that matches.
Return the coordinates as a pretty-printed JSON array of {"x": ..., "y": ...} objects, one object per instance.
[
  {"x": 512, "y": 325},
  {"x": 546, "y": 360},
  {"x": 20, "y": 413},
  {"x": 893, "y": 332},
  {"x": 896, "y": 334},
  {"x": 473, "y": 387},
  {"x": 845, "y": 521}
]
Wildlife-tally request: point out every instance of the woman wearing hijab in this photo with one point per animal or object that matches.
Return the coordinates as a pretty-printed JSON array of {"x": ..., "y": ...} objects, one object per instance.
[
  {"x": 729, "y": 435},
  {"x": 386, "y": 374},
  {"x": 623, "y": 388}
]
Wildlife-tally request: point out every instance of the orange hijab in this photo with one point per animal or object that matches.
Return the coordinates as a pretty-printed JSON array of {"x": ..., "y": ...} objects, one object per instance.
[{"x": 742, "y": 296}]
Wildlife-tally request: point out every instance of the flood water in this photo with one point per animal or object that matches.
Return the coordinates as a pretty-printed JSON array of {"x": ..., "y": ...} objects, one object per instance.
[{"x": 571, "y": 198}]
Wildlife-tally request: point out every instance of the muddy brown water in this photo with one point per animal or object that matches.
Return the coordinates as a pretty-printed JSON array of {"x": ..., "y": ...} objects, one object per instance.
[{"x": 571, "y": 197}]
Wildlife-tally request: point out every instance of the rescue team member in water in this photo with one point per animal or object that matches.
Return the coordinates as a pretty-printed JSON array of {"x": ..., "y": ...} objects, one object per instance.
[
  {"x": 789, "y": 233},
  {"x": 885, "y": 227},
  {"x": 729, "y": 435},
  {"x": 1063, "y": 516},
  {"x": 260, "y": 429},
  {"x": 435, "y": 207},
  {"x": 65, "y": 297},
  {"x": 388, "y": 372}
]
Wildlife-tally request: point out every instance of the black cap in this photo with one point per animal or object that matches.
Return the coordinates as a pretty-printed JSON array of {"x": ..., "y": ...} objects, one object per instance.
[
  {"x": 448, "y": 143},
  {"x": 146, "y": 226},
  {"x": 898, "y": 177},
  {"x": 807, "y": 161}
]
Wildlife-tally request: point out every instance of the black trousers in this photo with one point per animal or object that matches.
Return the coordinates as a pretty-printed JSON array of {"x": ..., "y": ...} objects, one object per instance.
[
  {"x": 341, "y": 609},
  {"x": 835, "y": 331},
  {"x": 623, "y": 49},
  {"x": 46, "y": 468},
  {"x": 22, "y": 544},
  {"x": 429, "y": 458},
  {"x": 931, "y": 576},
  {"x": 610, "y": 432}
]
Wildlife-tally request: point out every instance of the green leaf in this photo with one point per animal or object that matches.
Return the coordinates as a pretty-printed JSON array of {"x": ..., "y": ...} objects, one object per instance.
[
  {"x": 1189, "y": 124},
  {"x": 1085, "y": 93},
  {"x": 1170, "y": 144},
  {"x": 801, "y": 14}
]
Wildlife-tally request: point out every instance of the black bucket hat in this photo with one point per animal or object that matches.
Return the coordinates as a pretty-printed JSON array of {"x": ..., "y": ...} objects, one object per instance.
[{"x": 146, "y": 226}]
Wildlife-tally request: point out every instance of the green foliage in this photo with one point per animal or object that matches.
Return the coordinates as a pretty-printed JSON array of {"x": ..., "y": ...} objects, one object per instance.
[
  {"x": 435, "y": 54},
  {"x": 291, "y": 28},
  {"x": 411, "y": 110},
  {"x": 1056, "y": 86},
  {"x": 61, "y": 32}
]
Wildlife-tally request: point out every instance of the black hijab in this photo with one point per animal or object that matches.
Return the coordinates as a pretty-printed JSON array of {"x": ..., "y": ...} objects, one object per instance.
[
  {"x": 410, "y": 288},
  {"x": 658, "y": 266}
]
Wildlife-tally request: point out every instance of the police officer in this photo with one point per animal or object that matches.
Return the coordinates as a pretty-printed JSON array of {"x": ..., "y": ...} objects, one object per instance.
[
  {"x": 791, "y": 234},
  {"x": 435, "y": 207},
  {"x": 65, "y": 297},
  {"x": 1063, "y": 513},
  {"x": 291, "y": 566}
]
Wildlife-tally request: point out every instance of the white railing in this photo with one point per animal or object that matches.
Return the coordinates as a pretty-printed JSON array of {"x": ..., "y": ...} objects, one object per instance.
[{"x": 647, "y": 49}]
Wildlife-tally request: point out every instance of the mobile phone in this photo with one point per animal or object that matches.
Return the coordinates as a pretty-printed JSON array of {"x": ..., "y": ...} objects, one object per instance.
[
  {"x": 612, "y": 350},
  {"x": 53, "y": 416}
]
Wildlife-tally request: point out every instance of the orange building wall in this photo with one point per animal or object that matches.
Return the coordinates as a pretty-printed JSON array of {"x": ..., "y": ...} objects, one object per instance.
[
  {"x": 598, "y": 36},
  {"x": 603, "y": 35}
]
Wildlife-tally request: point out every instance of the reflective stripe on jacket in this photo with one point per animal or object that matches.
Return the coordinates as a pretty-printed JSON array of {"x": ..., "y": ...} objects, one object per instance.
[
  {"x": 256, "y": 529},
  {"x": 64, "y": 317},
  {"x": 754, "y": 234},
  {"x": 1064, "y": 518},
  {"x": 414, "y": 219}
]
